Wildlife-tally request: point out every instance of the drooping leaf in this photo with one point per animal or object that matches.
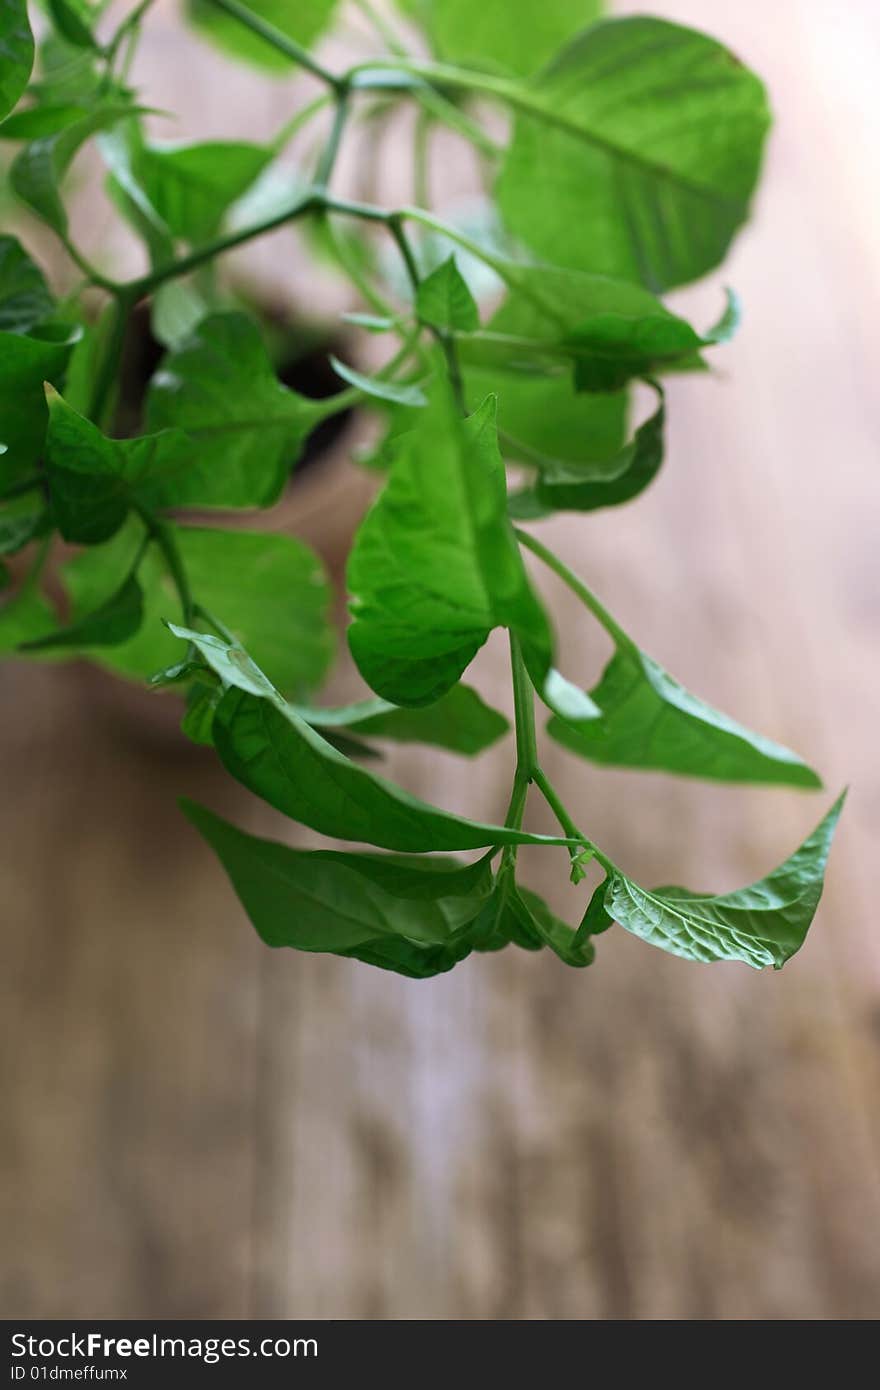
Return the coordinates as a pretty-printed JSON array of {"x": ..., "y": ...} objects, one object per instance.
[
  {"x": 435, "y": 565},
  {"x": 25, "y": 300},
  {"x": 585, "y": 486},
  {"x": 93, "y": 480},
  {"x": 246, "y": 429},
  {"x": 26, "y": 361},
  {"x": 71, "y": 21},
  {"x": 408, "y": 912},
  {"x": 444, "y": 300},
  {"x": 492, "y": 35},
  {"x": 607, "y": 331},
  {"x": 113, "y": 623},
  {"x": 764, "y": 924},
  {"x": 647, "y": 720},
  {"x": 17, "y": 50},
  {"x": 303, "y": 22},
  {"x": 270, "y": 590},
  {"x": 198, "y": 720},
  {"x": 459, "y": 721},
  {"x": 636, "y": 152},
  {"x": 39, "y": 168},
  {"x": 265, "y": 744},
  {"x": 396, "y": 392}
]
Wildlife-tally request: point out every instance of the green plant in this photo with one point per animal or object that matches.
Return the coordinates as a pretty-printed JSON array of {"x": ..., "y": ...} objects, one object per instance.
[{"x": 631, "y": 159}]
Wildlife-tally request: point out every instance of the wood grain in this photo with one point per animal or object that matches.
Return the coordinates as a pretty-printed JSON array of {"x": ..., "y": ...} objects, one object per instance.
[{"x": 194, "y": 1126}]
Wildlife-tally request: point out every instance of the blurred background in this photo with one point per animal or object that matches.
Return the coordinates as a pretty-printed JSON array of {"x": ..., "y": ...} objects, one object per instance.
[{"x": 195, "y": 1126}]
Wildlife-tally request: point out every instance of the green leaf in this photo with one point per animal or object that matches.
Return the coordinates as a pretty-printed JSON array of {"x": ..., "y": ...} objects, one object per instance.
[
  {"x": 17, "y": 49},
  {"x": 587, "y": 486},
  {"x": 396, "y": 392},
  {"x": 373, "y": 323},
  {"x": 647, "y": 720},
  {"x": 197, "y": 722},
  {"x": 608, "y": 330},
  {"x": 286, "y": 762},
  {"x": 24, "y": 617},
  {"x": 93, "y": 480},
  {"x": 36, "y": 121},
  {"x": 444, "y": 300},
  {"x": 246, "y": 429},
  {"x": 113, "y": 623},
  {"x": 39, "y": 168},
  {"x": 493, "y": 36},
  {"x": 70, "y": 21},
  {"x": 184, "y": 187},
  {"x": 635, "y": 153},
  {"x": 269, "y": 589},
  {"x": 764, "y": 924},
  {"x": 407, "y": 913},
  {"x": 265, "y": 744},
  {"x": 26, "y": 361},
  {"x": 459, "y": 721},
  {"x": 435, "y": 565},
  {"x": 303, "y": 22},
  {"x": 25, "y": 300}
]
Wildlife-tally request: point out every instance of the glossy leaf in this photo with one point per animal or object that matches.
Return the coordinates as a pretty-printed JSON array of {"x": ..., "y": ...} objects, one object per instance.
[
  {"x": 764, "y": 924},
  {"x": 16, "y": 52},
  {"x": 636, "y": 152},
  {"x": 395, "y": 392},
  {"x": 459, "y": 721},
  {"x": 113, "y": 623},
  {"x": 25, "y": 300},
  {"x": 492, "y": 35},
  {"x": 444, "y": 300},
  {"x": 302, "y": 21},
  {"x": 246, "y": 429},
  {"x": 39, "y": 168},
  {"x": 435, "y": 565},
  {"x": 647, "y": 720},
  {"x": 408, "y": 912},
  {"x": 269, "y": 589}
]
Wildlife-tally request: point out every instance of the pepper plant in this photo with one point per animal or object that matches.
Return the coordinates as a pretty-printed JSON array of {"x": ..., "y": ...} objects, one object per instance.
[{"x": 619, "y": 160}]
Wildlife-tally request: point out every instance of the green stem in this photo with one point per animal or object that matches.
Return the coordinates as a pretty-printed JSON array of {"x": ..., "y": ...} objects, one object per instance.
[
  {"x": 422, "y": 158},
  {"x": 163, "y": 534},
  {"x": 279, "y": 40},
  {"x": 331, "y": 149},
  {"x": 395, "y": 226},
  {"x": 109, "y": 367},
  {"x": 524, "y": 712},
  {"x": 577, "y": 586},
  {"x": 502, "y": 267}
]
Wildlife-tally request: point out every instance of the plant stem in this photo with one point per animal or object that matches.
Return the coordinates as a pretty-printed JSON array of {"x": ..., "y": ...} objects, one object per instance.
[
  {"x": 331, "y": 149},
  {"x": 524, "y": 712},
  {"x": 163, "y": 535},
  {"x": 421, "y": 158},
  {"x": 276, "y": 39},
  {"x": 395, "y": 226},
  {"x": 111, "y": 357},
  {"x": 577, "y": 586}
]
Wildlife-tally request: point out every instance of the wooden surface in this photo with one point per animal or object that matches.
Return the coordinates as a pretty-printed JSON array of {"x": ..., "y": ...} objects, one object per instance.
[{"x": 196, "y": 1126}]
